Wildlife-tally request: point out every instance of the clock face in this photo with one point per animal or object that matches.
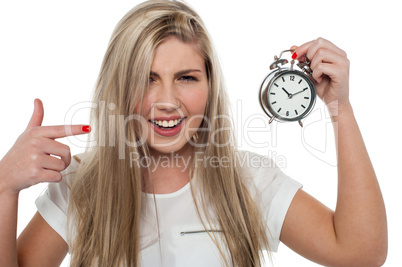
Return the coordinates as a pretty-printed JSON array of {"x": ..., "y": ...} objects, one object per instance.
[{"x": 291, "y": 96}]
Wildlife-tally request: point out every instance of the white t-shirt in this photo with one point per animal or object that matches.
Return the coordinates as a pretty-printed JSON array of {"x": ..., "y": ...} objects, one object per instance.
[{"x": 183, "y": 239}]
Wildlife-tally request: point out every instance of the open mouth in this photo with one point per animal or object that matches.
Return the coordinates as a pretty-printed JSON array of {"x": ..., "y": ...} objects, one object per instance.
[{"x": 167, "y": 124}]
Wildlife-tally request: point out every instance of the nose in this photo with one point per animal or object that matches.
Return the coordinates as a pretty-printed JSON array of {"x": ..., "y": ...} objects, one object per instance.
[{"x": 167, "y": 98}]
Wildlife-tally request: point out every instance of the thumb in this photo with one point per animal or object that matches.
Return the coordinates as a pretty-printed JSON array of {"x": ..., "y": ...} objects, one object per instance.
[{"x": 37, "y": 116}]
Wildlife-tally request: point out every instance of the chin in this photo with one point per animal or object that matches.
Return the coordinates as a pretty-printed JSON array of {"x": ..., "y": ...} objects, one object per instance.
[{"x": 166, "y": 148}]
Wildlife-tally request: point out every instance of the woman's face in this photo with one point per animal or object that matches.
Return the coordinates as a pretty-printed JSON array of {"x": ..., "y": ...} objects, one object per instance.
[{"x": 175, "y": 100}]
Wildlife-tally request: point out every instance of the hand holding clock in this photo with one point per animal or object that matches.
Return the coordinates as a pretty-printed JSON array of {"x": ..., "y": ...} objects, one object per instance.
[{"x": 330, "y": 67}]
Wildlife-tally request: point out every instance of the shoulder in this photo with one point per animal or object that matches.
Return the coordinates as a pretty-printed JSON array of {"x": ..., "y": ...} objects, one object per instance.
[
  {"x": 59, "y": 192},
  {"x": 264, "y": 176},
  {"x": 255, "y": 166},
  {"x": 52, "y": 204},
  {"x": 272, "y": 191}
]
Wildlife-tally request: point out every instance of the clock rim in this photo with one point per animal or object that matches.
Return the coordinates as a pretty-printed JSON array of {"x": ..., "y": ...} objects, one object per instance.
[{"x": 277, "y": 74}]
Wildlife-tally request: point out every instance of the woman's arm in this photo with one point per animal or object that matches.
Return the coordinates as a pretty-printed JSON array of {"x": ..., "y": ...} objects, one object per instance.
[
  {"x": 8, "y": 228},
  {"x": 356, "y": 233},
  {"x": 40, "y": 245},
  {"x": 31, "y": 161}
]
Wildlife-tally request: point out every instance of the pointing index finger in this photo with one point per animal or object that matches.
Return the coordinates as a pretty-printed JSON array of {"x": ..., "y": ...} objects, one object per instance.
[{"x": 60, "y": 131}]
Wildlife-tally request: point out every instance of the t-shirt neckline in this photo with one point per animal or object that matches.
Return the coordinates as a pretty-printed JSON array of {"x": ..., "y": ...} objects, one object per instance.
[{"x": 168, "y": 195}]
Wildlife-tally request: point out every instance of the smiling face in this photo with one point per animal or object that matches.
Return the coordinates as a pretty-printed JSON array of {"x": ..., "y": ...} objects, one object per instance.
[{"x": 175, "y": 100}]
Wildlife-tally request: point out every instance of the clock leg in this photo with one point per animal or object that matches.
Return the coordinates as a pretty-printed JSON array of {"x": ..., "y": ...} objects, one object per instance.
[{"x": 300, "y": 123}]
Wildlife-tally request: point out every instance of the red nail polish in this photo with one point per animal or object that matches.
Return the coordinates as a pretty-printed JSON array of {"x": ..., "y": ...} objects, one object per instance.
[
  {"x": 86, "y": 128},
  {"x": 294, "y": 56}
]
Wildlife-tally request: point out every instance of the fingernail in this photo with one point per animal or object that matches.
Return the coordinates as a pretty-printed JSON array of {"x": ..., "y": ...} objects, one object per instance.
[
  {"x": 86, "y": 128},
  {"x": 294, "y": 56}
]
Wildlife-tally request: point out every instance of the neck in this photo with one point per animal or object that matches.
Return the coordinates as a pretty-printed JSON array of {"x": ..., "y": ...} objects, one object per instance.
[{"x": 167, "y": 172}]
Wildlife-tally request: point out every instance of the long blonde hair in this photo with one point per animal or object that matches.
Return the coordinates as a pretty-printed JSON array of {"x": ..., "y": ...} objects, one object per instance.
[{"x": 105, "y": 199}]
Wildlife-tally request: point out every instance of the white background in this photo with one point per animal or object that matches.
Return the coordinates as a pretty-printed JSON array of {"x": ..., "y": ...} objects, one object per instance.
[{"x": 52, "y": 50}]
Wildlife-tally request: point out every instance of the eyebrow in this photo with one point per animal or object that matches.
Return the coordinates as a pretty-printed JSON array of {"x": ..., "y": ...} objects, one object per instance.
[{"x": 179, "y": 73}]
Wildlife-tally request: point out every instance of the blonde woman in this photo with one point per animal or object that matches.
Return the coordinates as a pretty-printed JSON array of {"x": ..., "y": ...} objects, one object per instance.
[{"x": 165, "y": 184}]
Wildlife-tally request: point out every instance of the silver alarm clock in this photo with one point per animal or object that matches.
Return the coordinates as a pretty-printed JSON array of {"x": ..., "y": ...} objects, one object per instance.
[{"x": 288, "y": 94}]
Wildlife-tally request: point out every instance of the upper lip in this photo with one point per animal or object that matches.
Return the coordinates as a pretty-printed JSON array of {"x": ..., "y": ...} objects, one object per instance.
[{"x": 167, "y": 118}]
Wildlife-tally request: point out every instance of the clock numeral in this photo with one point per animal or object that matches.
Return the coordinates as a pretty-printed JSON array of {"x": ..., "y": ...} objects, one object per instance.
[
  {"x": 296, "y": 112},
  {"x": 276, "y": 85},
  {"x": 303, "y": 106},
  {"x": 283, "y": 79},
  {"x": 306, "y": 97},
  {"x": 304, "y": 89},
  {"x": 292, "y": 78},
  {"x": 279, "y": 110},
  {"x": 300, "y": 81},
  {"x": 271, "y": 93},
  {"x": 287, "y": 113},
  {"x": 273, "y": 102}
]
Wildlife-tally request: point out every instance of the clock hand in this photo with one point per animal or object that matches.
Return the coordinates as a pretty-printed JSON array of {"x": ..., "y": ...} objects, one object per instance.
[
  {"x": 289, "y": 95},
  {"x": 299, "y": 92}
]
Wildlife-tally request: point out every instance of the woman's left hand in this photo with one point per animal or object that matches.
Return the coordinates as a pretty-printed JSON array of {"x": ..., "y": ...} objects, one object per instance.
[{"x": 330, "y": 67}]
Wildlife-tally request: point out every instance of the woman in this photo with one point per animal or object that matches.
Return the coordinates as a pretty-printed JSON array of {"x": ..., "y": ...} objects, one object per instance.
[{"x": 160, "y": 98}]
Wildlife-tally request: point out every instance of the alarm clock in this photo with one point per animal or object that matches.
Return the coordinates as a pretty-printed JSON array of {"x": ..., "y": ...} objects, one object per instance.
[{"x": 288, "y": 94}]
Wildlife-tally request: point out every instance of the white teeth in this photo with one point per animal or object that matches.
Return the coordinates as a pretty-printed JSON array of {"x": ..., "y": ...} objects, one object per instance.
[{"x": 170, "y": 123}]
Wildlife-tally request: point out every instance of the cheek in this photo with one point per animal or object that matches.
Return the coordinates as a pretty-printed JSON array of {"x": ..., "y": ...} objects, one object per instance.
[
  {"x": 145, "y": 106},
  {"x": 137, "y": 109},
  {"x": 195, "y": 105},
  {"x": 197, "y": 101}
]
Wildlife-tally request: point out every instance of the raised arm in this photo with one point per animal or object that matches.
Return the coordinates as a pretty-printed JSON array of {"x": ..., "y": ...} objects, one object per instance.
[
  {"x": 356, "y": 233},
  {"x": 32, "y": 160}
]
